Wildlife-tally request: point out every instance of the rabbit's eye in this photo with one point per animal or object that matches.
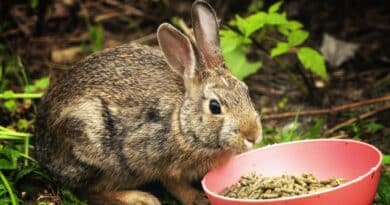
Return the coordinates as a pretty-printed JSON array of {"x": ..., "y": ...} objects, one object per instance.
[{"x": 215, "y": 108}]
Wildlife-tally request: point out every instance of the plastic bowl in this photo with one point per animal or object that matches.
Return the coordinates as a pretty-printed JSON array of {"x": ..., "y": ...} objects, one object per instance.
[{"x": 355, "y": 161}]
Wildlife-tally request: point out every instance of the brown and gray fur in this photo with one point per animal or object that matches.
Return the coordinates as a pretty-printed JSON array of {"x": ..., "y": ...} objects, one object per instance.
[{"x": 132, "y": 114}]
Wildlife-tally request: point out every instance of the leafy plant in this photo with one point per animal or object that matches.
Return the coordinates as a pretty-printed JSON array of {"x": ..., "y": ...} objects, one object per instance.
[
  {"x": 261, "y": 26},
  {"x": 383, "y": 193},
  {"x": 11, "y": 67},
  {"x": 10, "y": 155},
  {"x": 386, "y": 159},
  {"x": 34, "y": 3},
  {"x": 291, "y": 132},
  {"x": 30, "y": 92},
  {"x": 16, "y": 165},
  {"x": 358, "y": 128},
  {"x": 96, "y": 35},
  {"x": 68, "y": 198}
]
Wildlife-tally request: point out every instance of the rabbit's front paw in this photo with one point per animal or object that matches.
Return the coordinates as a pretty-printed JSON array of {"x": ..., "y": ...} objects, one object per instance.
[
  {"x": 130, "y": 197},
  {"x": 201, "y": 199}
]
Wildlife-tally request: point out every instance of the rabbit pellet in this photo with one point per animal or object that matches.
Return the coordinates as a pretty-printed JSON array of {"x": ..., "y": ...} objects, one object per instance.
[{"x": 253, "y": 186}]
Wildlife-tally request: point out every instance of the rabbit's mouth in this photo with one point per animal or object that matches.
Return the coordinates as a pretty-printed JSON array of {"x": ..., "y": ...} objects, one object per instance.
[{"x": 248, "y": 144}]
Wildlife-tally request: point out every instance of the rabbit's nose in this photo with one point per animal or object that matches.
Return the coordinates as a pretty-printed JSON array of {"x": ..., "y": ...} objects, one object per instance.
[
  {"x": 250, "y": 140},
  {"x": 251, "y": 131}
]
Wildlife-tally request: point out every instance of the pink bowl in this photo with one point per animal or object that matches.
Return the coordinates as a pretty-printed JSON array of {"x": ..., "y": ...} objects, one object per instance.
[{"x": 355, "y": 161}]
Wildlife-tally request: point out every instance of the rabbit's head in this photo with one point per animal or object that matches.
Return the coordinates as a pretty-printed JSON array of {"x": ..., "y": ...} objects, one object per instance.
[{"x": 217, "y": 111}]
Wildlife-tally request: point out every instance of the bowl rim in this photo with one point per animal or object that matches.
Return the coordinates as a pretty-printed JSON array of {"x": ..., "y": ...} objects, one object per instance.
[{"x": 348, "y": 183}]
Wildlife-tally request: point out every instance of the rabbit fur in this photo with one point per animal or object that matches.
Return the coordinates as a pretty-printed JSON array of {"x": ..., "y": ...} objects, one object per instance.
[{"x": 133, "y": 114}]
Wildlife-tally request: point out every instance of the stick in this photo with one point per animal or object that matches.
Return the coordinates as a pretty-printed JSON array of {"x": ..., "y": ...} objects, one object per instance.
[
  {"x": 146, "y": 38},
  {"x": 329, "y": 110},
  {"x": 183, "y": 26},
  {"x": 340, "y": 136},
  {"x": 352, "y": 120}
]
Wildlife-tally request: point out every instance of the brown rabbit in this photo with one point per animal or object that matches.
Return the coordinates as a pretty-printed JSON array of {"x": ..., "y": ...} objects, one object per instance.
[{"x": 130, "y": 115}]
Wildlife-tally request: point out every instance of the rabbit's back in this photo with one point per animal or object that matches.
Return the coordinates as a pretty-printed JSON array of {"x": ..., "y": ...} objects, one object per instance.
[
  {"x": 105, "y": 102},
  {"x": 130, "y": 73}
]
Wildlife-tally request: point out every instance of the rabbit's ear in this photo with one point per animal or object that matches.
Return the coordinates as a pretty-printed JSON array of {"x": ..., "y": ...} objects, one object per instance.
[
  {"x": 204, "y": 22},
  {"x": 177, "y": 50}
]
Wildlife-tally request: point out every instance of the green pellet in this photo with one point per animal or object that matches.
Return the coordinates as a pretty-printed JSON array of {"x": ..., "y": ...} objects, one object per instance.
[{"x": 254, "y": 186}]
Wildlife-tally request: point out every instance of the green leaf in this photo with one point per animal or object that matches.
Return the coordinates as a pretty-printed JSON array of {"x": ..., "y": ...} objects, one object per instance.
[
  {"x": 255, "y": 6},
  {"x": 289, "y": 26},
  {"x": 383, "y": 191},
  {"x": 314, "y": 131},
  {"x": 238, "y": 64},
  {"x": 233, "y": 49},
  {"x": 3, "y": 191},
  {"x": 373, "y": 127},
  {"x": 34, "y": 3},
  {"x": 11, "y": 105},
  {"x": 289, "y": 131},
  {"x": 9, "y": 158},
  {"x": 29, "y": 88},
  {"x": 276, "y": 19},
  {"x": 231, "y": 40},
  {"x": 42, "y": 83},
  {"x": 22, "y": 124},
  {"x": 280, "y": 49},
  {"x": 294, "y": 25},
  {"x": 8, "y": 94},
  {"x": 313, "y": 61},
  {"x": 386, "y": 159},
  {"x": 283, "y": 30},
  {"x": 252, "y": 23},
  {"x": 38, "y": 85},
  {"x": 282, "y": 103},
  {"x": 5, "y": 200},
  {"x": 241, "y": 24},
  {"x": 275, "y": 7},
  {"x": 297, "y": 37},
  {"x": 68, "y": 198},
  {"x": 97, "y": 37},
  {"x": 24, "y": 172}
]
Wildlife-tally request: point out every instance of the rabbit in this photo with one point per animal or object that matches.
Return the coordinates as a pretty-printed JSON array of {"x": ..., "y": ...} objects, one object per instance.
[{"x": 133, "y": 114}]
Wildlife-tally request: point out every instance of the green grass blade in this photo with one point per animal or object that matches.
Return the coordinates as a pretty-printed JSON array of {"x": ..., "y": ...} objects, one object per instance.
[
  {"x": 26, "y": 144},
  {"x": 21, "y": 95},
  {"x": 9, "y": 137},
  {"x": 21, "y": 135},
  {"x": 12, "y": 196}
]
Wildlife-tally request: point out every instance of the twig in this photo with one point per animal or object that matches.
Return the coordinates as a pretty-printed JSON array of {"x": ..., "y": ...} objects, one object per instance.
[
  {"x": 340, "y": 136},
  {"x": 309, "y": 83},
  {"x": 352, "y": 120},
  {"x": 267, "y": 90},
  {"x": 146, "y": 38},
  {"x": 183, "y": 26},
  {"x": 84, "y": 13},
  {"x": 329, "y": 110}
]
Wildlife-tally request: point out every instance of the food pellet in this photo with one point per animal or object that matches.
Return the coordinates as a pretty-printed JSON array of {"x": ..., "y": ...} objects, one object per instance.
[{"x": 254, "y": 186}]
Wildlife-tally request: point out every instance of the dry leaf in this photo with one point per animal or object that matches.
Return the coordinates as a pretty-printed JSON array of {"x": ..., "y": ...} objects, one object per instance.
[
  {"x": 336, "y": 51},
  {"x": 65, "y": 55}
]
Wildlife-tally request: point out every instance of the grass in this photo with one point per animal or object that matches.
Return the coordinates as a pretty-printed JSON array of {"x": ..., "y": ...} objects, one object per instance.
[{"x": 383, "y": 194}]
